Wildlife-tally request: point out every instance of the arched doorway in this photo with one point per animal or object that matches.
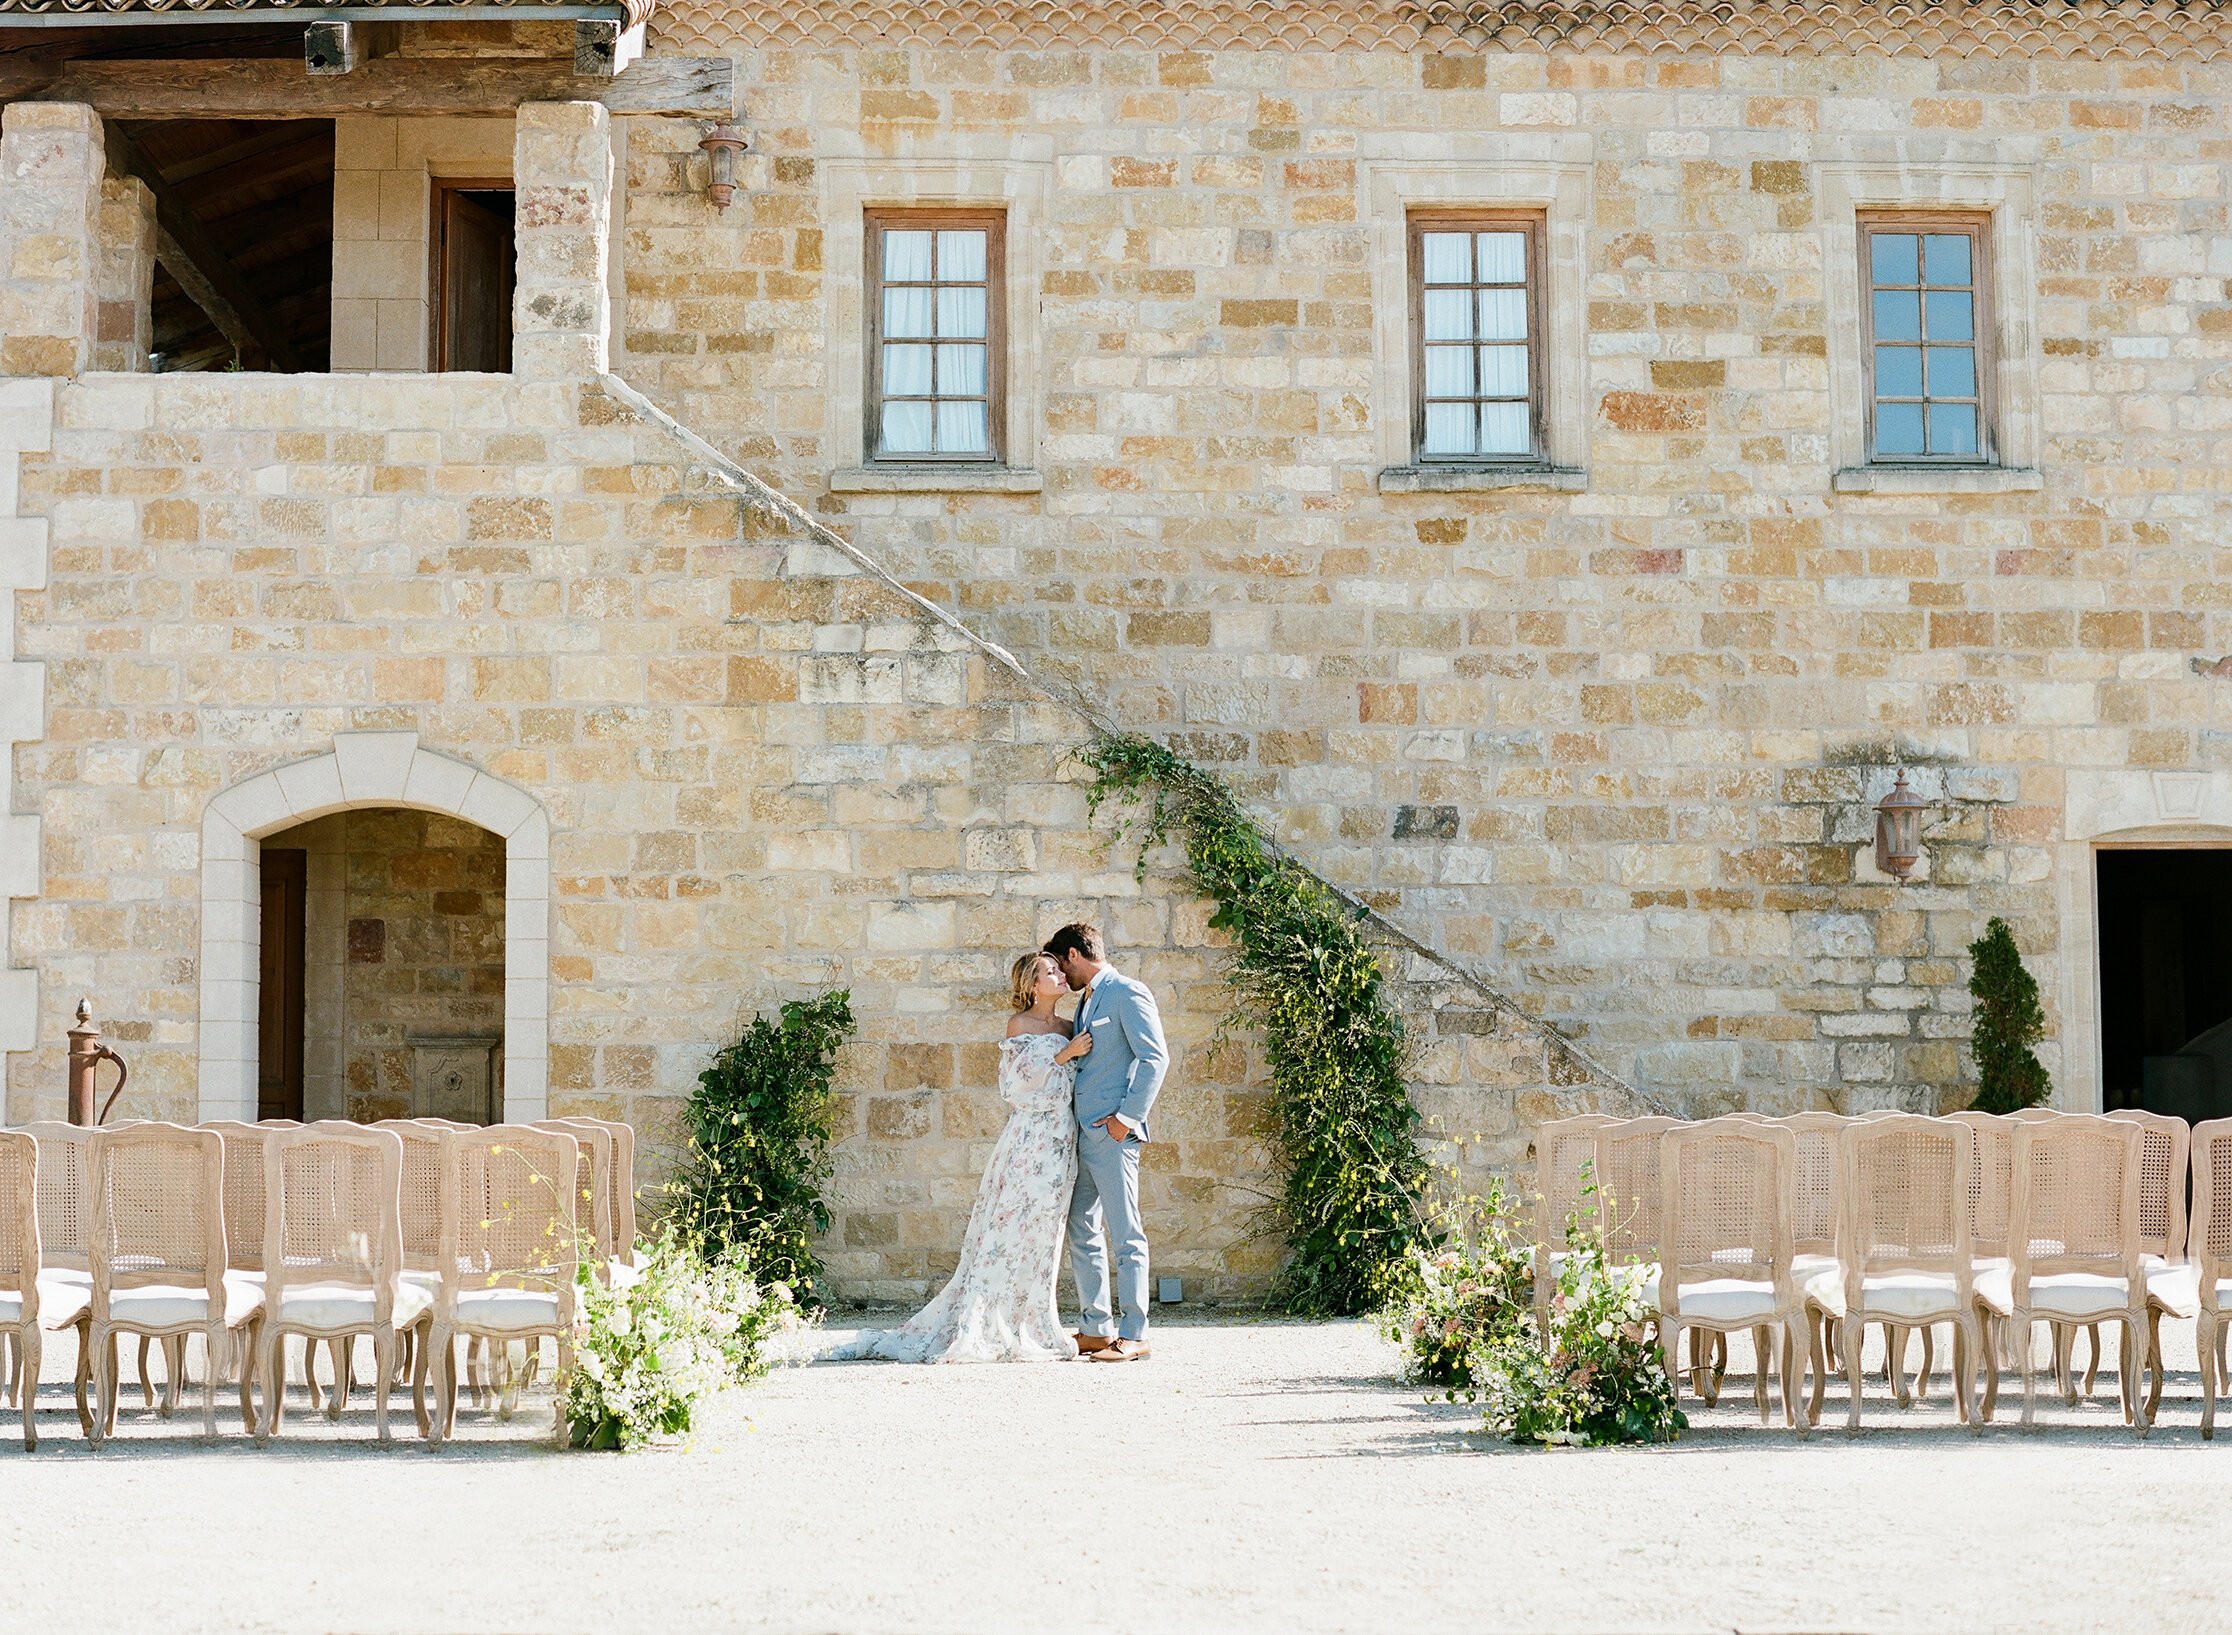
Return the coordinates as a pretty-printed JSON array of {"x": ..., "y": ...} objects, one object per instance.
[{"x": 382, "y": 788}]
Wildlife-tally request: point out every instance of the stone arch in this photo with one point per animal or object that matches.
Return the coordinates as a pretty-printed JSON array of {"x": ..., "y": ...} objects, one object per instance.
[
  {"x": 2127, "y": 806},
  {"x": 367, "y": 769}
]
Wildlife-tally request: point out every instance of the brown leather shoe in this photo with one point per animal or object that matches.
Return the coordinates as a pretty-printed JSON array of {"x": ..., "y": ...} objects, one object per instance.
[
  {"x": 1088, "y": 1344},
  {"x": 1123, "y": 1351}
]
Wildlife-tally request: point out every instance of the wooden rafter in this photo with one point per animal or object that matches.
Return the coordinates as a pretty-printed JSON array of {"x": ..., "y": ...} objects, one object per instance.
[
  {"x": 203, "y": 270},
  {"x": 271, "y": 88}
]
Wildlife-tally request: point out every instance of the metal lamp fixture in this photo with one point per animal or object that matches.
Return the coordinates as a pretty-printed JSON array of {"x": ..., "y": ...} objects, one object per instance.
[
  {"x": 1899, "y": 830},
  {"x": 722, "y": 144}
]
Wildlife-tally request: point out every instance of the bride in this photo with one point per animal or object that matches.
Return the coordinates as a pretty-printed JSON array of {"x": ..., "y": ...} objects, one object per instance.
[{"x": 999, "y": 1304}]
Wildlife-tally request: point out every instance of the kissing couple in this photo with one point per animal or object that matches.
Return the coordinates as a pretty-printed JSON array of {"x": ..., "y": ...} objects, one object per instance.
[{"x": 1081, "y": 1092}]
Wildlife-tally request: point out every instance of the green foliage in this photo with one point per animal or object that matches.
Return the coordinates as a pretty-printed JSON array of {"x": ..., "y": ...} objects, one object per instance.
[
  {"x": 2007, "y": 1022},
  {"x": 1304, "y": 979},
  {"x": 749, "y": 1184},
  {"x": 1455, "y": 1298}
]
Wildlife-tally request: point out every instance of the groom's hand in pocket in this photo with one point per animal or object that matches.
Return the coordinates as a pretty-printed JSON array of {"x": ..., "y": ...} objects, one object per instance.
[{"x": 1114, "y": 1128}]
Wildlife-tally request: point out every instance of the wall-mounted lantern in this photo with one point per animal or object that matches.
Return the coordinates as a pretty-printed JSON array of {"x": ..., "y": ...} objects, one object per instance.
[
  {"x": 1899, "y": 830},
  {"x": 722, "y": 144}
]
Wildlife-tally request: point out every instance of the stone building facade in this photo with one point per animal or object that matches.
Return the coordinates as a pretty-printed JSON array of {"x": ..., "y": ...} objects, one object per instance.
[{"x": 1600, "y": 739}]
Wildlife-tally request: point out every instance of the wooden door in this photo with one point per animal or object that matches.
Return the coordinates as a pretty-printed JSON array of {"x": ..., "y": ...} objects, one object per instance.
[
  {"x": 473, "y": 268},
  {"x": 279, "y": 1010}
]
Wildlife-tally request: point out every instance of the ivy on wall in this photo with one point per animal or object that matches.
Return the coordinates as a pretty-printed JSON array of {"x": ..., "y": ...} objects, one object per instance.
[{"x": 1308, "y": 984}]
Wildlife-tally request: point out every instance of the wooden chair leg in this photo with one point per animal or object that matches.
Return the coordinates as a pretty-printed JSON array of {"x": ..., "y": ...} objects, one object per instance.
[
  {"x": 420, "y": 1351},
  {"x": 27, "y": 1347},
  {"x": 243, "y": 1361},
  {"x": 85, "y": 1380},
  {"x": 1964, "y": 1407},
  {"x": 2204, "y": 1344},
  {"x": 1855, "y": 1332},
  {"x": 1993, "y": 1342},
  {"x": 2154, "y": 1362},
  {"x": 2092, "y": 1362},
  {"x": 383, "y": 1374},
  {"x": 1817, "y": 1331},
  {"x": 2023, "y": 1353},
  {"x": 1929, "y": 1362}
]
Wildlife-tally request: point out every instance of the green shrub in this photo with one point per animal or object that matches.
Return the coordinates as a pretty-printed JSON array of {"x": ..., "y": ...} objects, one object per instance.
[
  {"x": 749, "y": 1185},
  {"x": 1341, "y": 1116},
  {"x": 2007, "y": 1022}
]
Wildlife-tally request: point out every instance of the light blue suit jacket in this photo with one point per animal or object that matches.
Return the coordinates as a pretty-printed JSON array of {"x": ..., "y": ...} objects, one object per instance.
[{"x": 1129, "y": 1058}]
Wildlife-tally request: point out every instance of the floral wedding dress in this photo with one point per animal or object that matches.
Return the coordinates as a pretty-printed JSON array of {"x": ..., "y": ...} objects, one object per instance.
[{"x": 999, "y": 1304}]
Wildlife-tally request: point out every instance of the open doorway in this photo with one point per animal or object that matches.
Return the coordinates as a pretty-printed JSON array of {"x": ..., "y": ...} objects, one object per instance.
[
  {"x": 2166, "y": 980},
  {"x": 472, "y": 275},
  {"x": 381, "y": 989}
]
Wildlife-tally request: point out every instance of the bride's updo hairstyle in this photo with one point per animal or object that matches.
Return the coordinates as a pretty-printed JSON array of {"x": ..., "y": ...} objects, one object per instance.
[{"x": 1023, "y": 977}]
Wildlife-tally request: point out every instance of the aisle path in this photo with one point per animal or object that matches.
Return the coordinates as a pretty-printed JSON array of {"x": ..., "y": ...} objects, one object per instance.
[{"x": 1252, "y": 1477}]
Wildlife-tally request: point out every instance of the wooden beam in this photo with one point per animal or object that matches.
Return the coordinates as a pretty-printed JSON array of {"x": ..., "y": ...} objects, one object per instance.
[
  {"x": 277, "y": 87},
  {"x": 201, "y": 269}
]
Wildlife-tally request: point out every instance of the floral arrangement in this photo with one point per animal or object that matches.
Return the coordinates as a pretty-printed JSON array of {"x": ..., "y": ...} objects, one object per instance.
[
  {"x": 1587, "y": 1373},
  {"x": 1456, "y": 1298},
  {"x": 653, "y": 1339},
  {"x": 1596, "y": 1375}
]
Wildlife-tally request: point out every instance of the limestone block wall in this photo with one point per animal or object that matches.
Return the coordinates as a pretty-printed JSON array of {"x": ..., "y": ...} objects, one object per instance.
[
  {"x": 763, "y": 770},
  {"x": 1612, "y": 741}
]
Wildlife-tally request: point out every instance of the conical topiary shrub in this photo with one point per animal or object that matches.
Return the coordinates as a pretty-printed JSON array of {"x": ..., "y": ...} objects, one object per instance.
[{"x": 2007, "y": 1022}]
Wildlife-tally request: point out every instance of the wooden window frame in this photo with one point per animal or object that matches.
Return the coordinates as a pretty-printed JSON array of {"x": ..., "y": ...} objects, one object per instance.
[
  {"x": 1535, "y": 223},
  {"x": 1977, "y": 225},
  {"x": 994, "y": 223},
  {"x": 437, "y": 251}
]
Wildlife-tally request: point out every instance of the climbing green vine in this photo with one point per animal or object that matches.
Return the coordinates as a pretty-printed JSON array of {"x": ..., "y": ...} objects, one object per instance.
[{"x": 1307, "y": 983}]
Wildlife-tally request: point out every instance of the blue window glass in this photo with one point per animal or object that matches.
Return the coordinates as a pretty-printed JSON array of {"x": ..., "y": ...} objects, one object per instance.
[{"x": 1923, "y": 329}]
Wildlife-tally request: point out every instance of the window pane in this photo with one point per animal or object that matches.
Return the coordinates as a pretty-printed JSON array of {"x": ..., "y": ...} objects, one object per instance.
[
  {"x": 1898, "y": 371},
  {"x": 1447, "y": 257},
  {"x": 1503, "y": 371},
  {"x": 1503, "y": 258},
  {"x": 1449, "y": 315},
  {"x": 961, "y": 312},
  {"x": 1891, "y": 258},
  {"x": 1952, "y": 371},
  {"x": 906, "y": 428},
  {"x": 906, "y": 256},
  {"x": 1898, "y": 428},
  {"x": 961, "y": 371},
  {"x": 1503, "y": 315},
  {"x": 1449, "y": 371},
  {"x": 1952, "y": 428},
  {"x": 1897, "y": 316},
  {"x": 1952, "y": 315},
  {"x": 961, "y": 255},
  {"x": 1449, "y": 428},
  {"x": 906, "y": 311},
  {"x": 961, "y": 429},
  {"x": 906, "y": 371},
  {"x": 1503, "y": 428},
  {"x": 1945, "y": 258}
]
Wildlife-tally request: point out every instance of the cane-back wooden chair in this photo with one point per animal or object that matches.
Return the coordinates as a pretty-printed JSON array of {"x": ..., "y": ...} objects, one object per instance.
[{"x": 160, "y": 1259}]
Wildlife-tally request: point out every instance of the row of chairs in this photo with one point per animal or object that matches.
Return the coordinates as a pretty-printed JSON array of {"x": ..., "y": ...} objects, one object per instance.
[
  {"x": 1803, "y": 1230},
  {"x": 415, "y": 1233}
]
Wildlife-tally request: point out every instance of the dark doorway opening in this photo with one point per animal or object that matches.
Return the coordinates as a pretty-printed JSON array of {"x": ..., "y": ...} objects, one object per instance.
[
  {"x": 2166, "y": 981},
  {"x": 473, "y": 274},
  {"x": 279, "y": 1007}
]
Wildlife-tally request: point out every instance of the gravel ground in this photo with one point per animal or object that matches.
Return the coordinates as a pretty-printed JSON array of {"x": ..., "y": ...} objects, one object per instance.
[{"x": 1252, "y": 1476}]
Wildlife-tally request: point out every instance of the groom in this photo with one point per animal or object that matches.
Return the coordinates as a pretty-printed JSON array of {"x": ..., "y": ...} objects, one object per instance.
[{"x": 1115, "y": 1086}]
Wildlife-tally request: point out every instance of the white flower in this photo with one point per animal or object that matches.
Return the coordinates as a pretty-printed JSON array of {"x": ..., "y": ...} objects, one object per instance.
[
  {"x": 623, "y": 1275},
  {"x": 1605, "y": 1330}
]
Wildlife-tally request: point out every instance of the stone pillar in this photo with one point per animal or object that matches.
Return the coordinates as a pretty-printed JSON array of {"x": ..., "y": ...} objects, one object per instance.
[
  {"x": 125, "y": 288},
  {"x": 51, "y": 167},
  {"x": 562, "y": 309}
]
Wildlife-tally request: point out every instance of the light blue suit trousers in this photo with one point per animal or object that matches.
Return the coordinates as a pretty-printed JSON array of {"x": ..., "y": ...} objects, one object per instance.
[{"x": 1121, "y": 1075}]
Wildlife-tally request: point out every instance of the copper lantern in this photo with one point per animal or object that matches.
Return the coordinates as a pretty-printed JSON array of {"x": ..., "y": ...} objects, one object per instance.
[
  {"x": 1899, "y": 830},
  {"x": 722, "y": 144}
]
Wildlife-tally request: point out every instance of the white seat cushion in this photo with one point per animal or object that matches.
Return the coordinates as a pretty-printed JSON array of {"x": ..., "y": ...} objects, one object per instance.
[
  {"x": 174, "y": 1305},
  {"x": 1805, "y": 1268},
  {"x": 63, "y": 1297},
  {"x": 1911, "y": 1296},
  {"x": 2081, "y": 1297},
  {"x": 2175, "y": 1289},
  {"x": 1726, "y": 1300},
  {"x": 506, "y": 1311},
  {"x": 342, "y": 1306}
]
